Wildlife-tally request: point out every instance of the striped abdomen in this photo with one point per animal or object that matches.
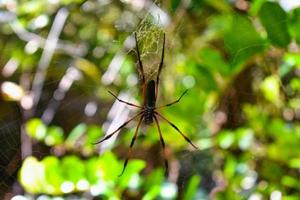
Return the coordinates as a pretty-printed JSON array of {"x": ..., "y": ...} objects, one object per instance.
[
  {"x": 149, "y": 102},
  {"x": 148, "y": 115}
]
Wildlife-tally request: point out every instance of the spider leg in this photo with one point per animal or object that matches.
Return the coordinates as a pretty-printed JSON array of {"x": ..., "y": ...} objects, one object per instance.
[
  {"x": 160, "y": 65},
  {"x": 162, "y": 144},
  {"x": 170, "y": 104},
  {"x": 120, "y": 127},
  {"x": 140, "y": 65},
  {"x": 128, "y": 103},
  {"x": 177, "y": 129},
  {"x": 131, "y": 145}
]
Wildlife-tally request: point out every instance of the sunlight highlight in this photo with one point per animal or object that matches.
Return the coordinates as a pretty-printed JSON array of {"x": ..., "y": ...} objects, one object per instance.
[
  {"x": 276, "y": 195},
  {"x": 189, "y": 81},
  {"x": 255, "y": 196},
  {"x": 168, "y": 191},
  {"x": 82, "y": 185},
  {"x": 98, "y": 189},
  {"x": 10, "y": 67},
  {"x": 134, "y": 181},
  {"x": 19, "y": 197},
  {"x": 27, "y": 102},
  {"x": 90, "y": 109},
  {"x": 11, "y": 91},
  {"x": 40, "y": 22},
  {"x": 31, "y": 47},
  {"x": 67, "y": 187}
]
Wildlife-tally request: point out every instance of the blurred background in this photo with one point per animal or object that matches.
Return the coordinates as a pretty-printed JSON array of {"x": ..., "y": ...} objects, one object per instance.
[{"x": 238, "y": 59}]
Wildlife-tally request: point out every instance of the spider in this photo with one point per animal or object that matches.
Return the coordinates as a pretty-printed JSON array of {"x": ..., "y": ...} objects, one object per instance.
[{"x": 148, "y": 111}]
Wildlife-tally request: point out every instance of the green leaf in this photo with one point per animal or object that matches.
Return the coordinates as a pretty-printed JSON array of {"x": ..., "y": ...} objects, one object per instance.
[
  {"x": 32, "y": 175},
  {"x": 212, "y": 59},
  {"x": 36, "y": 129},
  {"x": 73, "y": 169},
  {"x": 257, "y": 119},
  {"x": 206, "y": 78},
  {"x": 192, "y": 187},
  {"x": 293, "y": 58},
  {"x": 174, "y": 5},
  {"x": 294, "y": 24},
  {"x": 294, "y": 163},
  {"x": 274, "y": 19},
  {"x": 230, "y": 166},
  {"x": 68, "y": 2},
  {"x": 225, "y": 139},
  {"x": 54, "y": 136},
  {"x": 53, "y": 175},
  {"x": 155, "y": 178},
  {"x": 93, "y": 133},
  {"x": 152, "y": 184},
  {"x": 271, "y": 89},
  {"x": 152, "y": 193},
  {"x": 110, "y": 166},
  {"x": 31, "y": 7},
  {"x": 290, "y": 61},
  {"x": 221, "y": 5},
  {"x": 242, "y": 41},
  {"x": 295, "y": 84},
  {"x": 89, "y": 68},
  {"x": 196, "y": 6},
  {"x": 75, "y": 134},
  {"x": 294, "y": 103},
  {"x": 93, "y": 170},
  {"x": 133, "y": 168},
  {"x": 245, "y": 137},
  {"x": 255, "y": 6},
  {"x": 290, "y": 181},
  {"x": 277, "y": 127}
]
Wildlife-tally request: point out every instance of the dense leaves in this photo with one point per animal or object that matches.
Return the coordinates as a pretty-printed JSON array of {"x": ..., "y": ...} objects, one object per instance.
[
  {"x": 242, "y": 40},
  {"x": 275, "y": 21}
]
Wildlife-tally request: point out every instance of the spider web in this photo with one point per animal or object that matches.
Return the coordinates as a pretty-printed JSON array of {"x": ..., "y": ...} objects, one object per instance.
[
  {"x": 10, "y": 151},
  {"x": 149, "y": 34}
]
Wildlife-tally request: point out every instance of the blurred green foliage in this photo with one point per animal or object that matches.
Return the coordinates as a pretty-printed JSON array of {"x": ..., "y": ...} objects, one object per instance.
[{"x": 239, "y": 59}]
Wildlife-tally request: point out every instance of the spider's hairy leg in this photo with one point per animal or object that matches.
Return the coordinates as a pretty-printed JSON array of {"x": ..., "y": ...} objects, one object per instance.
[
  {"x": 162, "y": 144},
  {"x": 120, "y": 127},
  {"x": 128, "y": 103},
  {"x": 172, "y": 103},
  {"x": 177, "y": 129},
  {"x": 160, "y": 65},
  {"x": 140, "y": 65},
  {"x": 139, "y": 58},
  {"x": 131, "y": 145}
]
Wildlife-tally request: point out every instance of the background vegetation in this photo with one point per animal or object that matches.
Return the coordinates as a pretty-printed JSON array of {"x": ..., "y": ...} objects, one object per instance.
[{"x": 239, "y": 59}]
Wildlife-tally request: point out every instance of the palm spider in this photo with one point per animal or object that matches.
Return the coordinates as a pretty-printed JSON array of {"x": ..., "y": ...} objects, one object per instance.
[{"x": 148, "y": 111}]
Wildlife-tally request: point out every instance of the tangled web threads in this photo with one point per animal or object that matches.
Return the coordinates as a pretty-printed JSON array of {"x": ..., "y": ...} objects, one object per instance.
[{"x": 150, "y": 39}]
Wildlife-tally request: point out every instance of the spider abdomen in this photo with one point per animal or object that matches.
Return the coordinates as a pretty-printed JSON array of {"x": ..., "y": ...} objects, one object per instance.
[
  {"x": 150, "y": 100},
  {"x": 148, "y": 115}
]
